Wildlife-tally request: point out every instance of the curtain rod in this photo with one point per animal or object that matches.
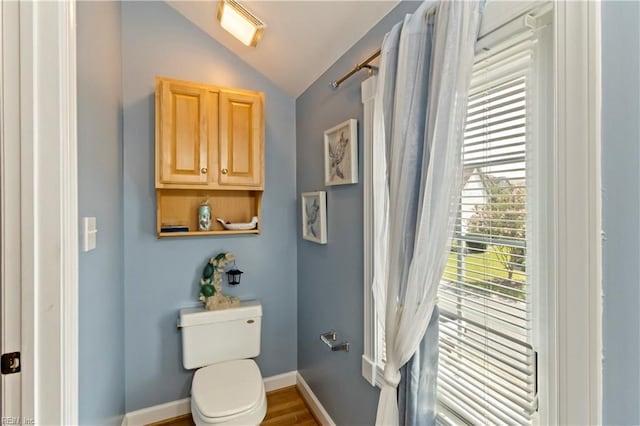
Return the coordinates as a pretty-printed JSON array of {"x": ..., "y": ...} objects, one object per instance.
[{"x": 364, "y": 64}]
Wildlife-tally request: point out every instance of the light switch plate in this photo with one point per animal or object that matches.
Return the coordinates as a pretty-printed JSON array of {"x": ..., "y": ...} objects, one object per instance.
[{"x": 89, "y": 232}]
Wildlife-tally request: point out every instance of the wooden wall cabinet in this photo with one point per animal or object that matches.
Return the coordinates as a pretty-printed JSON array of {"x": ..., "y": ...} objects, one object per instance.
[
  {"x": 184, "y": 141},
  {"x": 209, "y": 146},
  {"x": 241, "y": 124}
]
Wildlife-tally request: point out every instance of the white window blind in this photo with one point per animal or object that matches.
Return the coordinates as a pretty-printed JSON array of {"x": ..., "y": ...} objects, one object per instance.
[{"x": 487, "y": 365}]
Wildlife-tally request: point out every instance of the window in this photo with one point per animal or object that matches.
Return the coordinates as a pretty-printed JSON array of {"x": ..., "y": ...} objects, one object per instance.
[
  {"x": 487, "y": 364},
  {"x": 553, "y": 294}
]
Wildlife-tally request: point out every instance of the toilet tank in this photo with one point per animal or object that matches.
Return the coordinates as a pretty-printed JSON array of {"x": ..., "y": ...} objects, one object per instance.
[{"x": 209, "y": 337}]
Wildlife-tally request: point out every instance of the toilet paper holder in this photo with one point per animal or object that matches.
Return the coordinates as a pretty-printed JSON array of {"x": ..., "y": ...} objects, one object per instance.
[{"x": 330, "y": 337}]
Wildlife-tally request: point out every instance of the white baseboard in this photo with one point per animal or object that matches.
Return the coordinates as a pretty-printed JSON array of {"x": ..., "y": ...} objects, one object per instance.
[
  {"x": 314, "y": 404},
  {"x": 280, "y": 381},
  {"x": 183, "y": 406},
  {"x": 157, "y": 413}
]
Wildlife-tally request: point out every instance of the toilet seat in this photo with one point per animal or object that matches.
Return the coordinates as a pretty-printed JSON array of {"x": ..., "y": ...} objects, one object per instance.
[
  {"x": 227, "y": 393},
  {"x": 253, "y": 417}
]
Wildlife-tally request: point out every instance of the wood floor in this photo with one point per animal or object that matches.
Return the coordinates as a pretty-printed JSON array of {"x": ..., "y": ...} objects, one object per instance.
[{"x": 284, "y": 407}]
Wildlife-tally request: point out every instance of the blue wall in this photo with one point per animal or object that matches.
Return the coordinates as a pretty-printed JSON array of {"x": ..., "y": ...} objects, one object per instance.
[
  {"x": 621, "y": 210},
  {"x": 330, "y": 277},
  {"x": 101, "y": 353},
  {"x": 161, "y": 276}
]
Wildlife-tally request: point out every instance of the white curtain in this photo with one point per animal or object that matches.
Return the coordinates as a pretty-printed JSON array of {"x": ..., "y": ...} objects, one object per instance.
[{"x": 418, "y": 121}]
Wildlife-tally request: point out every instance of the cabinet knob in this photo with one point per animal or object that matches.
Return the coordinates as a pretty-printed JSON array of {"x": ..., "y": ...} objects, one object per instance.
[
  {"x": 203, "y": 170},
  {"x": 225, "y": 171}
]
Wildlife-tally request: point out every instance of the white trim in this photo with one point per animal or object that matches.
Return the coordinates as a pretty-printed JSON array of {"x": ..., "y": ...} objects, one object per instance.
[
  {"x": 314, "y": 403},
  {"x": 158, "y": 413},
  {"x": 183, "y": 406},
  {"x": 368, "y": 365},
  {"x": 49, "y": 211},
  {"x": 498, "y": 12},
  {"x": 578, "y": 213},
  {"x": 280, "y": 381},
  {"x": 10, "y": 298},
  {"x": 368, "y": 88},
  {"x": 27, "y": 229},
  {"x": 541, "y": 203},
  {"x": 69, "y": 210},
  {"x": 373, "y": 372}
]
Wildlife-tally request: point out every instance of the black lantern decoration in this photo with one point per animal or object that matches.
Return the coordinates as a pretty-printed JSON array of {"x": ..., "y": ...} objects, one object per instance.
[{"x": 233, "y": 275}]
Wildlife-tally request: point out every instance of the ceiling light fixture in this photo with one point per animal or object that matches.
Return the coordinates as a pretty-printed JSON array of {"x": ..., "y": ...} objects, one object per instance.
[{"x": 241, "y": 23}]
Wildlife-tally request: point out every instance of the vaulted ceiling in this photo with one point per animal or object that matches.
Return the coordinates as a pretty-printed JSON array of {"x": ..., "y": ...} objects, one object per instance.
[{"x": 302, "y": 38}]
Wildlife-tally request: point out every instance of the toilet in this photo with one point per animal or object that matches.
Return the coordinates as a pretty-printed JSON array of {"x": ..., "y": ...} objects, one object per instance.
[{"x": 227, "y": 388}]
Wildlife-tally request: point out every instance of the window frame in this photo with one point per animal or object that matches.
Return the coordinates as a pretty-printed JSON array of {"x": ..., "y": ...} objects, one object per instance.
[{"x": 570, "y": 356}]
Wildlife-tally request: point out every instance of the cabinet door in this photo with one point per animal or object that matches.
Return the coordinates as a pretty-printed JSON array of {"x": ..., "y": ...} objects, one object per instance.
[
  {"x": 241, "y": 139},
  {"x": 182, "y": 154}
]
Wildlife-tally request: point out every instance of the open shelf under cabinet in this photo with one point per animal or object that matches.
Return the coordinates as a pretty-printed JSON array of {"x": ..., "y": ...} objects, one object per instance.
[{"x": 180, "y": 207}]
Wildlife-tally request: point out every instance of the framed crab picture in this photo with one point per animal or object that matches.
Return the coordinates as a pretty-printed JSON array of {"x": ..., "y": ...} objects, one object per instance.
[
  {"x": 314, "y": 216},
  {"x": 341, "y": 153}
]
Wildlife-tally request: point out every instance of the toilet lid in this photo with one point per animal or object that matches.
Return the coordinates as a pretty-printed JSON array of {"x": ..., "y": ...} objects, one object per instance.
[{"x": 227, "y": 388}]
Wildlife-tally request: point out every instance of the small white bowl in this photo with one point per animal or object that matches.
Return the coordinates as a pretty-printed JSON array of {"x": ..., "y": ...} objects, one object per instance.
[{"x": 239, "y": 226}]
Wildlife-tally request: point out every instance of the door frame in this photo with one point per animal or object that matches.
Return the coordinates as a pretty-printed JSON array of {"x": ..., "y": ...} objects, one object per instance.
[
  {"x": 10, "y": 298},
  {"x": 49, "y": 211}
]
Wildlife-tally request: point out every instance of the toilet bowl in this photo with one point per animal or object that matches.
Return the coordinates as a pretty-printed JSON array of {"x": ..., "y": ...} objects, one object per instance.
[{"x": 227, "y": 388}]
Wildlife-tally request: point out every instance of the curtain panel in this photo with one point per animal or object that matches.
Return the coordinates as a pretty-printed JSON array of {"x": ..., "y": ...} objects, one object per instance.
[{"x": 418, "y": 122}]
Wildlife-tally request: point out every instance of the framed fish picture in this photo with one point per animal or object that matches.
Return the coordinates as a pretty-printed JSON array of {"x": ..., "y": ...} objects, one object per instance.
[
  {"x": 341, "y": 153},
  {"x": 314, "y": 216}
]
